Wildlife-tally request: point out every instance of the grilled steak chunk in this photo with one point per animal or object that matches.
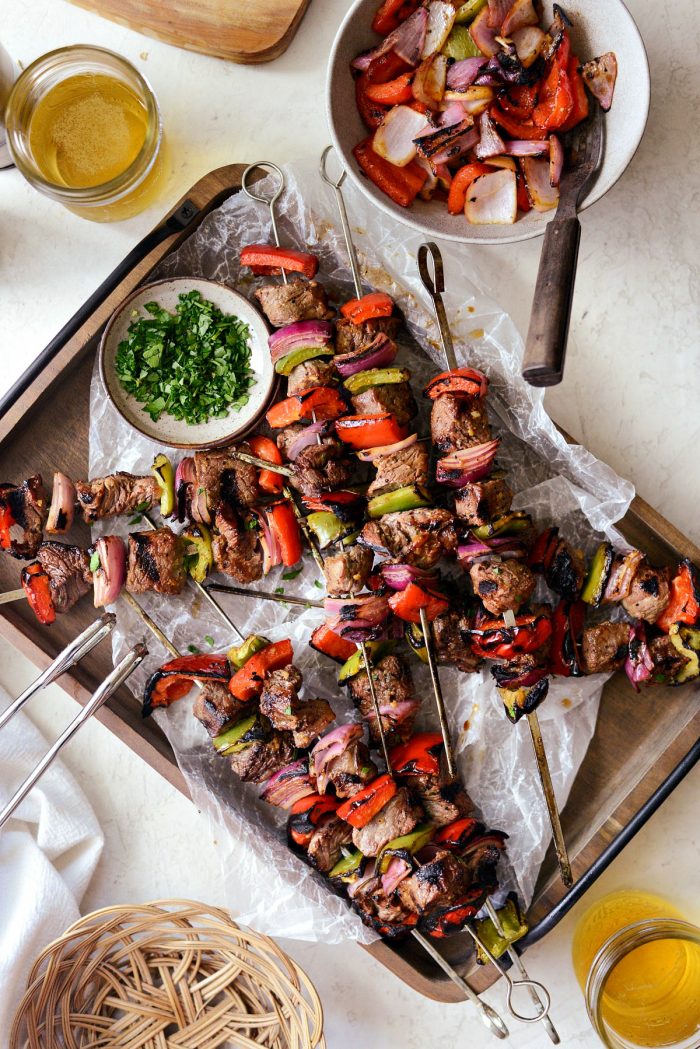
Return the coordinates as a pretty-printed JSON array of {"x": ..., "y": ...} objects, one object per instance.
[
  {"x": 350, "y": 337},
  {"x": 380, "y": 911},
  {"x": 649, "y": 593},
  {"x": 399, "y": 816},
  {"x": 604, "y": 647},
  {"x": 285, "y": 438},
  {"x": 452, "y": 641},
  {"x": 24, "y": 508},
  {"x": 68, "y": 569},
  {"x": 317, "y": 372},
  {"x": 401, "y": 469},
  {"x": 667, "y": 659},
  {"x": 324, "y": 849},
  {"x": 156, "y": 561},
  {"x": 394, "y": 397},
  {"x": 262, "y": 758},
  {"x": 235, "y": 548},
  {"x": 397, "y": 700},
  {"x": 298, "y": 300},
  {"x": 436, "y": 884},
  {"x": 481, "y": 857},
  {"x": 443, "y": 800},
  {"x": 566, "y": 571},
  {"x": 348, "y": 571},
  {"x": 321, "y": 467},
  {"x": 305, "y": 719},
  {"x": 119, "y": 493},
  {"x": 458, "y": 422},
  {"x": 216, "y": 708},
  {"x": 226, "y": 479},
  {"x": 502, "y": 584},
  {"x": 351, "y": 770},
  {"x": 479, "y": 502},
  {"x": 418, "y": 537}
]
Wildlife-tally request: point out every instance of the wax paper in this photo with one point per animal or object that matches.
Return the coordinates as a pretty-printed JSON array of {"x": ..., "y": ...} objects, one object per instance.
[{"x": 555, "y": 481}]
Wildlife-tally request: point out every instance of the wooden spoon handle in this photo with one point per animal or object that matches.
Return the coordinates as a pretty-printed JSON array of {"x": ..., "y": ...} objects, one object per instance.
[{"x": 543, "y": 362}]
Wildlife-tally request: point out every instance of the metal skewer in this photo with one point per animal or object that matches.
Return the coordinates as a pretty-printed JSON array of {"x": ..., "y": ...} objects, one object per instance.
[
  {"x": 533, "y": 985},
  {"x": 263, "y": 595},
  {"x": 111, "y": 683},
  {"x": 262, "y": 464},
  {"x": 439, "y": 701},
  {"x": 340, "y": 201},
  {"x": 434, "y": 284},
  {"x": 271, "y": 168}
]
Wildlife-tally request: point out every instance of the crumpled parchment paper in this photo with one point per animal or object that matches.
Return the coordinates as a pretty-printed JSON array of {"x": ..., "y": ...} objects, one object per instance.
[{"x": 555, "y": 481}]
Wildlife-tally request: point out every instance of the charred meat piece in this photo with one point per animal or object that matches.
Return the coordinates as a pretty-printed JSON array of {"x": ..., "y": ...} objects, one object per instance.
[
  {"x": 457, "y": 421},
  {"x": 604, "y": 647},
  {"x": 479, "y": 502},
  {"x": 305, "y": 719},
  {"x": 23, "y": 512},
  {"x": 216, "y": 708},
  {"x": 482, "y": 854},
  {"x": 235, "y": 548},
  {"x": 668, "y": 661},
  {"x": 225, "y": 479},
  {"x": 397, "y": 700},
  {"x": 649, "y": 593},
  {"x": 350, "y": 337},
  {"x": 418, "y": 537},
  {"x": 394, "y": 397},
  {"x": 119, "y": 493},
  {"x": 502, "y": 584},
  {"x": 156, "y": 561},
  {"x": 399, "y": 816},
  {"x": 68, "y": 569},
  {"x": 566, "y": 570},
  {"x": 317, "y": 372},
  {"x": 325, "y": 848},
  {"x": 286, "y": 437},
  {"x": 382, "y": 912},
  {"x": 351, "y": 770},
  {"x": 263, "y": 757},
  {"x": 401, "y": 469},
  {"x": 436, "y": 884},
  {"x": 298, "y": 300},
  {"x": 452, "y": 641},
  {"x": 443, "y": 799},
  {"x": 348, "y": 571},
  {"x": 321, "y": 467}
]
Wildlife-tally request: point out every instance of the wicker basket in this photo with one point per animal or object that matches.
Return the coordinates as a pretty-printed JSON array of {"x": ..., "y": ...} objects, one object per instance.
[{"x": 166, "y": 975}]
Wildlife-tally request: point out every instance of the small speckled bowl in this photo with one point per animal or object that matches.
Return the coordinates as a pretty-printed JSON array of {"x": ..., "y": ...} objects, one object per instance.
[
  {"x": 169, "y": 431},
  {"x": 598, "y": 26}
]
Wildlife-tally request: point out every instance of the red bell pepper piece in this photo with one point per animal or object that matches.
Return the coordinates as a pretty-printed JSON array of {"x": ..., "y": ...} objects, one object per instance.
[
  {"x": 517, "y": 128},
  {"x": 372, "y": 113},
  {"x": 456, "y": 834},
  {"x": 364, "y": 806},
  {"x": 492, "y": 640},
  {"x": 452, "y": 919},
  {"x": 285, "y": 528},
  {"x": 466, "y": 381},
  {"x": 370, "y": 431},
  {"x": 556, "y": 98},
  {"x": 386, "y": 67},
  {"x": 393, "y": 93},
  {"x": 319, "y": 402},
  {"x": 567, "y": 624},
  {"x": 684, "y": 600},
  {"x": 331, "y": 644},
  {"x": 407, "y": 604},
  {"x": 247, "y": 683},
  {"x": 401, "y": 184},
  {"x": 523, "y": 197},
  {"x": 457, "y": 197},
  {"x": 37, "y": 587},
  {"x": 544, "y": 549},
  {"x": 374, "y": 304},
  {"x": 519, "y": 101},
  {"x": 345, "y": 505},
  {"x": 579, "y": 93},
  {"x": 175, "y": 678},
  {"x": 6, "y": 523},
  {"x": 419, "y": 756},
  {"x": 267, "y": 255},
  {"x": 306, "y": 815},
  {"x": 391, "y": 14},
  {"x": 265, "y": 448}
]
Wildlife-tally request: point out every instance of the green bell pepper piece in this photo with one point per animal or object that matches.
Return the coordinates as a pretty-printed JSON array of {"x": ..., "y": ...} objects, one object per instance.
[
  {"x": 416, "y": 641},
  {"x": 513, "y": 924},
  {"x": 468, "y": 11},
  {"x": 348, "y": 869},
  {"x": 240, "y": 654},
  {"x": 163, "y": 472},
  {"x": 375, "y": 377},
  {"x": 598, "y": 573},
  {"x": 412, "y": 843},
  {"x": 459, "y": 44},
  {"x": 230, "y": 741},
  {"x": 303, "y": 353},
  {"x": 506, "y": 524},
  {"x": 327, "y": 527},
  {"x": 200, "y": 557},
  {"x": 686, "y": 640},
  {"x": 377, "y": 650},
  {"x": 409, "y": 498}
]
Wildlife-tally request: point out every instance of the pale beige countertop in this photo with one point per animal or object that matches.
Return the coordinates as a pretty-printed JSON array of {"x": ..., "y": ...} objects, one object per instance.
[{"x": 631, "y": 393}]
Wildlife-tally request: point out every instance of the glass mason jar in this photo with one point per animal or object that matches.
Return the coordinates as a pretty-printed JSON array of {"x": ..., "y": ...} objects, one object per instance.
[
  {"x": 662, "y": 1008},
  {"x": 129, "y": 190}
]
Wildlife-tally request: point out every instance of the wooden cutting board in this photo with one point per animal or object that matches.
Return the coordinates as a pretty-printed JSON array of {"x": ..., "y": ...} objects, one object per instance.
[{"x": 245, "y": 31}]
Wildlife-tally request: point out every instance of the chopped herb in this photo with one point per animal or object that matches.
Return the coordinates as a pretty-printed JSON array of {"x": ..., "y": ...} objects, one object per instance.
[
  {"x": 209, "y": 639},
  {"x": 94, "y": 561},
  {"x": 136, "y": 519},
  {"x": 279, "y": 589},
  {"x": 192, "y": 365},
  {"x": 288, "y": 710},
  {"x": 193, "y": 649},
  {"x": 251, "y": 524},
  {"x": 292, "y": 574},
  {"x": 365, "y": 770},
  {"x": 143, "y": 506},
  {"x": 318, "y": 583}
]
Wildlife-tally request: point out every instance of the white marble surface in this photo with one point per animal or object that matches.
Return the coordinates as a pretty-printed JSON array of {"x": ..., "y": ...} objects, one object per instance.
[{"x": 631, "y": 389}]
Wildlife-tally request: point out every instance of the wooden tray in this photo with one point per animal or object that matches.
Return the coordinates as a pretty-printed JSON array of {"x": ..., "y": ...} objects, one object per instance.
[{"x": 643, "y": 745}]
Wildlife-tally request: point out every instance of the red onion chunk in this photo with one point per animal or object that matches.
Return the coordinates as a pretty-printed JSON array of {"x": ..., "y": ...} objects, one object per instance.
[
  {"x": 526, "y": 147},
  {"x": 622, "y": 573},
  {"x": 407, "y": 40},
  {"x": 272, "y": 555},
  {"x": 483, "y": 35},
  {"x": 522, "y": 13},
  {"x": 394, "y": 137},
  {"x": 529, "y": 44},
  {"x": 599, "y": 76},
  {"x": 300, "y": 333},
  {"x": 398, "y": 712},
  {"x": 462, "y": 74},
  {"x": 62, "y": 507},
  {"x": 470, "y": 463},
  {"x": 330, "y": 747},
  {"x": 492, "y": 199},
  {"x": 307, "y": 437},
  {"x": 288, "y": 786},
  {"x": 398, "y": 576},
  {"x": 639, "y": 665},
  {"x": 498, "y": 10},
  {"x": 500, "y": 546},
  {"x": 490, "y": 144},
  {"x": 371, "y": 608},
  {"x": 109, "y": 578},
  {"x": 395, "y": 873},
  {"x": 364, "y": 60},
  {"x": 457, "y": 147},
  {"x": 368, "y": 875},
  {"x": 543, "y": 195},
  {"x": 441, "y": 17},
  {"x": 369, "y": 455},
  {"x": 556, "y": 160},
  {"x": 379, "y": 354}
]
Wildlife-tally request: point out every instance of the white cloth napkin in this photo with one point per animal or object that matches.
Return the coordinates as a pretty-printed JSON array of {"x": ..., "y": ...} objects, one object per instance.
[{"x": 49, "y": 849}]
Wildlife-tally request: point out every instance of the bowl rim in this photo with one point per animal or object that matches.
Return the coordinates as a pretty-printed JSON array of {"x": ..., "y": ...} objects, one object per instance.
[
  {"x": 596, "y": 192},
  {"x": 220, "y": 442}
]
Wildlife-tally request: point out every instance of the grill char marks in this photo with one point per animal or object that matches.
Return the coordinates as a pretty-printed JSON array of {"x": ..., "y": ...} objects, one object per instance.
[
  {"x": 116, "y": 494},
  {"x": 26, "y": 505},
  {"x": 155, "y": 562}
]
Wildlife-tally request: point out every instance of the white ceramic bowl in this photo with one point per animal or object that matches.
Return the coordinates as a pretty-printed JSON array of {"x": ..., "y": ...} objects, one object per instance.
[
  {"x": 169, "y": 431},
  {"x": 598, "y": 26}
]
